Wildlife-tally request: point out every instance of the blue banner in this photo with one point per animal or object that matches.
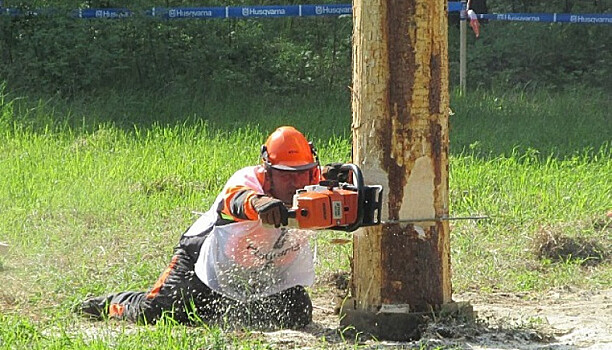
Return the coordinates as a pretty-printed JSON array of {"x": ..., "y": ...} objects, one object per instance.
[
  {"x": 103, "y": 13},
  {"x": 301, "y": 11},
  {"x": 550, "y": 17},
  {"x": 188, "y": 12},
  {"x": 326, "y": 10},
  {"x": 263, "y": 11},
  {"x": 584, "y": 18},
  {"x": 252, "y": 11},
  {"x": 219, "y": 12},
  {"x": 455, "y": 6}
]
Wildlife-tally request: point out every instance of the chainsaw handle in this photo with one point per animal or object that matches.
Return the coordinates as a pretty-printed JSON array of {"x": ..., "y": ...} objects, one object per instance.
[
  {"x": 292, "y": 213},
  {"x": 357, "y": 180},
  {"x": 369, "y": 200}
]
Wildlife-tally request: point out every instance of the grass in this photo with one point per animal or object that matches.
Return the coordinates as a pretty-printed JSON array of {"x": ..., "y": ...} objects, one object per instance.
[
  {"x": 96, "y": 191},
  {"x": 21, "y": 333},
  {"x": 524, "y": 196},
  {"x": 492, "y": 123}
]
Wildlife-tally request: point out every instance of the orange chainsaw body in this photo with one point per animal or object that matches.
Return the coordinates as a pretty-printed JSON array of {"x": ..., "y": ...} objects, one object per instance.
[{"x": 319, "y": 207}]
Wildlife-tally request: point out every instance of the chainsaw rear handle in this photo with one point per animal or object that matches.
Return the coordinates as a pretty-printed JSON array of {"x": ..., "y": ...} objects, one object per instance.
[
  {"x": 358, "y": 186},
  {"x": 369, "y": 200}
]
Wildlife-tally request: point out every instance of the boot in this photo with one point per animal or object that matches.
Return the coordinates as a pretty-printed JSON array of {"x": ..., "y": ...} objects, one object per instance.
[{"x": 95, "y": 308}]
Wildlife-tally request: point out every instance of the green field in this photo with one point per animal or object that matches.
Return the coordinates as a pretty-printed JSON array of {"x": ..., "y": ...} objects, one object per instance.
[{"x": 95, "y": 192}]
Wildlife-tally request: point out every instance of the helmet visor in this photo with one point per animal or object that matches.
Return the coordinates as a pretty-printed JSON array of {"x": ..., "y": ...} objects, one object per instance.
[{"x": 298, "y": 166}]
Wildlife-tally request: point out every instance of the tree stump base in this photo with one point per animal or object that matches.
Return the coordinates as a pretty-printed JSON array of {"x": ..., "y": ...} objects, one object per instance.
[{"x": 397, "y": 323}]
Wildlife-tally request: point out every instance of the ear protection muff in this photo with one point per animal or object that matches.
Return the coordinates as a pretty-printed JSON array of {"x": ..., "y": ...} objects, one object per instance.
[
  {"x": 264, "y": 155},
  {"x": 314, "y": 152},
  {"x": 316, "y": 173}
]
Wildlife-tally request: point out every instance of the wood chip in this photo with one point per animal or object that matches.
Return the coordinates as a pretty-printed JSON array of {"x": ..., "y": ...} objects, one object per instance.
[{"x": 340, "y": 241}]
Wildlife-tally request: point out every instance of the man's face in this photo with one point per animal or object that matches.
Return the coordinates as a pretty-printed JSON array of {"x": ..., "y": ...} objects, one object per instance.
[{"x": 285, "y": 183}]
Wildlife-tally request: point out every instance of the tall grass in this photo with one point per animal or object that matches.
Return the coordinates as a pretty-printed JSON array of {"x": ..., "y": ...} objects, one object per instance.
[
  {"x": 96, "y": 191},
  {"x": 493, "y": 123},
  {"x": 525, "y": 196}
]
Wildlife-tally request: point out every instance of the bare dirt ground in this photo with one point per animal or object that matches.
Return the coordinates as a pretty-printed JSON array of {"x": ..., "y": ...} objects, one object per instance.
[{"x": 560, "y": 320}]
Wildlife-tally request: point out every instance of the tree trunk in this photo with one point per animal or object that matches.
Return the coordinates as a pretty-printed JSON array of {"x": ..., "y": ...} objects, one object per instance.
[{"x": 400, "y": 140}]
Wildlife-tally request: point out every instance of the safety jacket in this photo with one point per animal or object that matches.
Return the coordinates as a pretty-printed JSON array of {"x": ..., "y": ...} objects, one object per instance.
[{"x": 240, "y": 257}]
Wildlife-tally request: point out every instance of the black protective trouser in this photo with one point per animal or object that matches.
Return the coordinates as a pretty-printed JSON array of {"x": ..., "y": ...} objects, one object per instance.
[{"x": 179, "y": 293}]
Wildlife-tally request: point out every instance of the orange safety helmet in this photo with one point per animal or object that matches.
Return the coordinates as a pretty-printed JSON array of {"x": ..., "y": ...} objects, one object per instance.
[{"x": 287, "y": 149}]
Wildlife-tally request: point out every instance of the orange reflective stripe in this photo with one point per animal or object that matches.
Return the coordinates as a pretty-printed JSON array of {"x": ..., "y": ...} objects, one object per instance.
[
  {"x": 227, "y": 199},
  {"x": 160, "y": 281},
  {"x": 115, "y": 310},
  {"x": 249, "y": 211},
  {"x": 230, "y": 193}
]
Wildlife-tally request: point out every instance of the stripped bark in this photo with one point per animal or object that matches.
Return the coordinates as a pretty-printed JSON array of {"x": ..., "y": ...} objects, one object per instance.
[{"x": 400, "y": 107}]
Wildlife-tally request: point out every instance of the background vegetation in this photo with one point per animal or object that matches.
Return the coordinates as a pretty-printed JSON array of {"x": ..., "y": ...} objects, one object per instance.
[{"x": 54, "y": 53}]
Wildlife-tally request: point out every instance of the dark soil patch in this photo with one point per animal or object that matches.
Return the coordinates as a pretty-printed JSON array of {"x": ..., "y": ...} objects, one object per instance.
[{"x": 558, "y": 246}]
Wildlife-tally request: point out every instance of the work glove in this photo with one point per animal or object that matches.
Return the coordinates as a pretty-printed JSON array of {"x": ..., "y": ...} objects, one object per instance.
[
  {"x": 332, "y": 171},
  {"x": 271, "y": 211}
]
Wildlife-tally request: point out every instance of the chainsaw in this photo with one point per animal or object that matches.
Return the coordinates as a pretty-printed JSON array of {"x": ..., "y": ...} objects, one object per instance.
[
  {"x": 346, "y": 206},
  {"x": 334, "y": 205}
]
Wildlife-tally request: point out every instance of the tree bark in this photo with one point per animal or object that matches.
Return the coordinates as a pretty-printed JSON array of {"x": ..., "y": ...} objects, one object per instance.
[{"x": 400, "y": 107}]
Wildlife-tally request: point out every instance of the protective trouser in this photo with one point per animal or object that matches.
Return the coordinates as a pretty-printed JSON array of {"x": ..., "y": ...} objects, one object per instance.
[{"x": 180, "y": 294}]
